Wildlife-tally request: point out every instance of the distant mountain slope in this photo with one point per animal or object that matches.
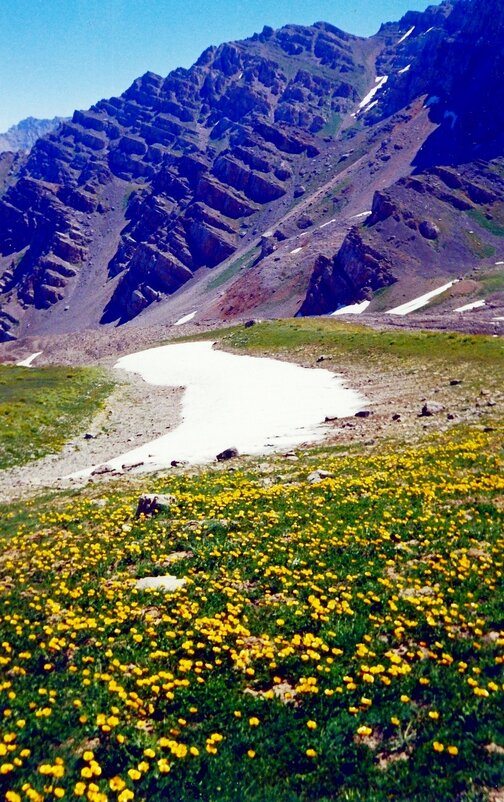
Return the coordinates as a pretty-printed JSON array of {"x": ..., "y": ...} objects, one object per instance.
[
  {"x": 24, "y": 134},
  {"x": 245, "y": 184}
]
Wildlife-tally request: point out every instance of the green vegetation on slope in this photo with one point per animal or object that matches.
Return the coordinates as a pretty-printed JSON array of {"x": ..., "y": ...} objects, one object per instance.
[
  {"x": 495, "y": 227},
  {"x": 342, "y": 640},
  {"x": 41, "y": 408},
  {"x": 232, "y": 269},
  {"x": 307, "y": 337}
]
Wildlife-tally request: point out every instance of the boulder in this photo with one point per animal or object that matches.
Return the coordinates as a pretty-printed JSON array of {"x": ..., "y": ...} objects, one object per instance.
[
  {"x": 228, "y": 453},
  {"x": 153, "y": 504},
  {"x": 316, "y": 476},
  {"x": 428, "y": 230}
]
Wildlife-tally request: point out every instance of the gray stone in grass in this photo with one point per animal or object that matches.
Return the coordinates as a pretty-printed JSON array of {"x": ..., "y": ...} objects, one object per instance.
[
  {"x": 153, "y": 504},
  {"x": 431, "y": 408},
  {"x": 317, "y": 476},
  {"x": 167, "y": 583}
]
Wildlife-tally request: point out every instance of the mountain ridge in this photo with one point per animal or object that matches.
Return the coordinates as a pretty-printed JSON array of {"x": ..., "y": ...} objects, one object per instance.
[
  {"x": 23, "y": 135},
  {"x": 207, "y": 180}
]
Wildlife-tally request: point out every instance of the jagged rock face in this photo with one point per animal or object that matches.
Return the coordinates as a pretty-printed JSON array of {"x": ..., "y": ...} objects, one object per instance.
[
  {"x": 352, "y": 275},
  {"x": 438, "y": 223},
  {"x": 200, "y": 152}
]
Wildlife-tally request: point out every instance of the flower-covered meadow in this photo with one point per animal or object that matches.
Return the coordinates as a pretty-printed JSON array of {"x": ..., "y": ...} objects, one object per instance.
[{"x": 335, "y": 640}]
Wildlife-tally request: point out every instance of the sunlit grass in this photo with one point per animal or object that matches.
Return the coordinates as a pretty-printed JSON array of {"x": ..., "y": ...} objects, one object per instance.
[{"x": 40, "y": 408}]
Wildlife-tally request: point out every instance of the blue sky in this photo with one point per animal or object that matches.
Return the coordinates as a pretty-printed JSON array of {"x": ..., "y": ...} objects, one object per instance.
[{"x": 58, "y": 55}]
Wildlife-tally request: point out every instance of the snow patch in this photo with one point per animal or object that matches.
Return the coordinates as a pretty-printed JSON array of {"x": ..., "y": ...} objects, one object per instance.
[
  {"x": 296, "y": 250},
  {"x": 186, "y": 318},
  {"x": 499, "y": 263},
  {"x": 328, "y": 223},
  {"x": 361, "y": 214},
  {"x": 28, "y": 362},
  {"x": 380, "y": 81},
  {"x": 254, "y": 404},
  {"x": 467, "y": 307},
  {"x": 408, "y": 33},
  {"x": 370, "y": 106},
  {"x": 422, "y": 300},
  {"x": 353, "y": 309},
  {"x": 405, "y": 69}
]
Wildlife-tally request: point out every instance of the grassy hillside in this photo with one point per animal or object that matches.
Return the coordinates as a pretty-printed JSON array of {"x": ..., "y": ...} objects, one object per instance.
[
  {"x": 41, "y": 408},
  {"x": 336, "y": 640}
]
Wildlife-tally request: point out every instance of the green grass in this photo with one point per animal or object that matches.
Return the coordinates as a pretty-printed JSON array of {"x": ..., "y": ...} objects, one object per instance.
[
  {"x": 480, "y": 249},
  {"x": 491, "y": 282},
  {"x": 310, "y": 336},
  {"x": 332, "y": 126},
  {"x": 40, "y": 408},
  {"x": 495, "y": 227}
]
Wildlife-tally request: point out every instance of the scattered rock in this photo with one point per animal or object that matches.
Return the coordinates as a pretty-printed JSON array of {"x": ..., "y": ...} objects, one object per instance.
[
  {"x": 385, "y": 760},
  {"x": 454, "y": 382},
  {"x": 494, "y": 749},
  {"x": 329, "y": 418},
  {"x": 178, "y": 463},
  {"x": 167, "y": 583},
  {"x": 322, "y": 358},
  {"x": 396, "y": 416},
  {"x": 176, "y": 556},
  {"x": 153, "y": 503},
  {"x": 431, "y": 408},
  {"x": 304, "y": 222},
  {"x": 363, "y": 413},
  {"x": 249, "y": 323},
  {"x": 89, "y": 436},
  {"x": 102, "y": 469},
  {"x": 129, "y": 466},
  {"x": 318, "y": 475},
  {"x": 228, "y": 453}
]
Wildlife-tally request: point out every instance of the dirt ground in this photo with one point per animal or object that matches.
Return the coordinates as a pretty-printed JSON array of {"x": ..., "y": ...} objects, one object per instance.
[{"x": 135, "y": 413}]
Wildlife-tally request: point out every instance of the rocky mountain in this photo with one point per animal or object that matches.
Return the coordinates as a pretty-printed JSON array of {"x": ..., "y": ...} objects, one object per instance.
[
  {"x": 294, "y": 172},
  {"x": 24, "y": 134}
]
